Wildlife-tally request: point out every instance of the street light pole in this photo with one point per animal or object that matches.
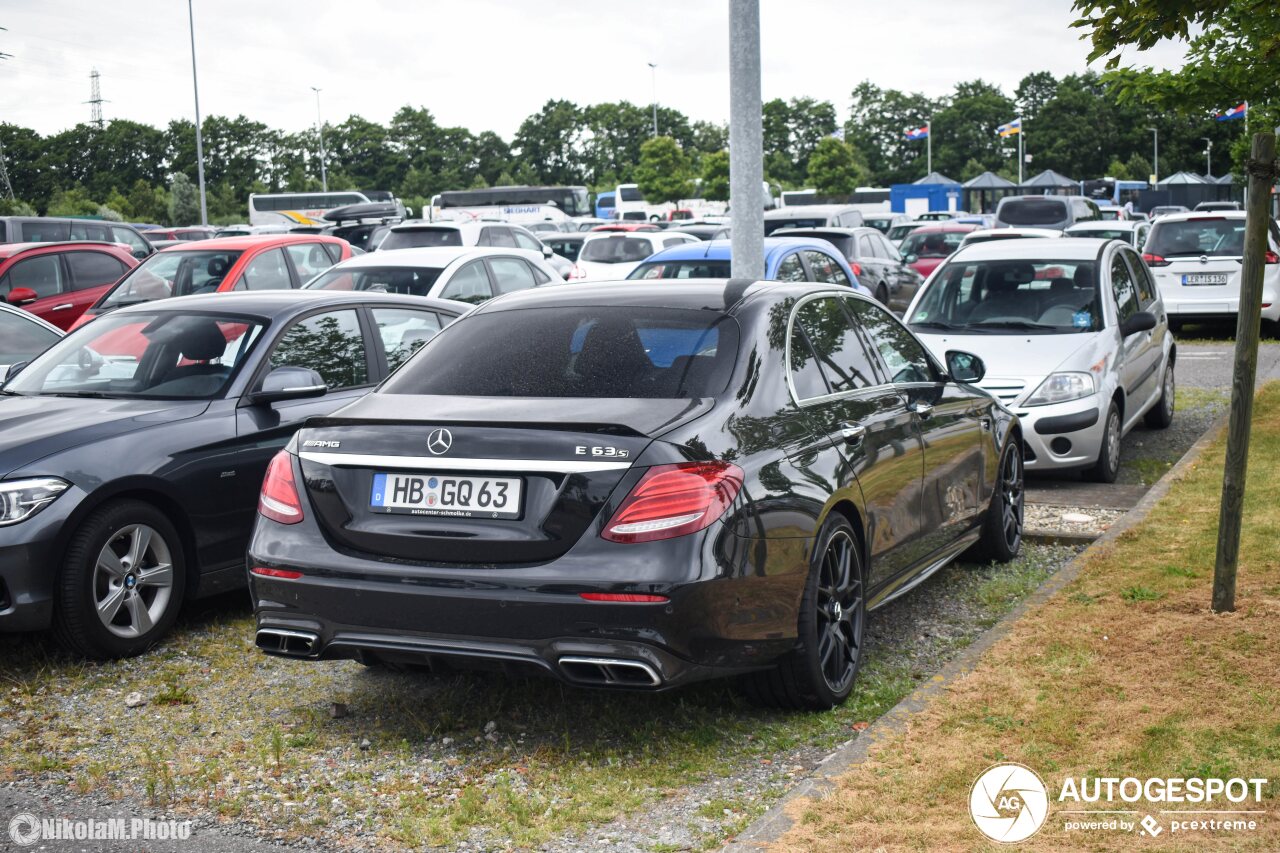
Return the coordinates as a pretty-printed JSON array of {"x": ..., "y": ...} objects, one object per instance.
[
  {"x": 204, "y": 209},
  {"x": 324, "y": 178},
  {"x": 1208, "y": 157},
  {"x": 1155, "y": 164},
  {"x": 653, "y": 67},
  {"x": 746, "y": 144}
]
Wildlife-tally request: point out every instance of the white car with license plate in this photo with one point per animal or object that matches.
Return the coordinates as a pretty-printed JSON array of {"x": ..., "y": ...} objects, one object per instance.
[
  {"x": 1196, "y": 259},
  {"x": 607, "y": 255},
  {"x": 1132, "y": 231},
  {"x": 1074, "y": 337}
]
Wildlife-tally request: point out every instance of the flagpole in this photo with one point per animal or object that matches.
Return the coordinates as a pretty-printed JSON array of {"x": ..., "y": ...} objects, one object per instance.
[
  {"x": 928, "y": 138},
  {"x": 1022, "y": 132}
]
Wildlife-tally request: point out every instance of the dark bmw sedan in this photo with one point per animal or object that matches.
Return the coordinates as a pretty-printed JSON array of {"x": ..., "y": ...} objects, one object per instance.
[
  {"x": 631, "y": 485},
  {"x": 133, "y": 450}
]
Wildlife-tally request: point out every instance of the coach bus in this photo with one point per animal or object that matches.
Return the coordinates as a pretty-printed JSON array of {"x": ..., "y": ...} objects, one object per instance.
[
  {"x": 513, "y": 204},
  {"x": 298, "y": 208}
]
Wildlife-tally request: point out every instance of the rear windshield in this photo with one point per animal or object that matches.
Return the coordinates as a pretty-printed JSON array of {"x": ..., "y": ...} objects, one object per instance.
[
  {"x": 594, "y": 352},
  {"x": 682, "y": 269},
  {"x": 418, "y": 238},
  {"x": 409, "y": 281},
  {"x": 937, "y": 245},
  {"x": 615, "y": 250},
  {"x": 1032, "y": 211},
  {"x": 1197, "y": 237},
  {"x": 166, "y": 274},
  {"x": 788, "y": 224},
  {"x": 1011, "y": 298}
]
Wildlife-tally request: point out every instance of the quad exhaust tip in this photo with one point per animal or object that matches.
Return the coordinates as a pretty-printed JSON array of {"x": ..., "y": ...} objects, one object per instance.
[
  {"x": 278, "y": 641},
  {"x": 610, "y": 672}
]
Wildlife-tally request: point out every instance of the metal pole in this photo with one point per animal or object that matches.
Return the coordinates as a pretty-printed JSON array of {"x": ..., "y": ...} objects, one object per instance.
[
  {"x": 1155, "y": 164},
  {"x": 1261, "y": 169},
  {"x": 1208, "y": 157},
  {"x": 928, "y": 138},
  {"x": 653, "y": 67},
  {"x": 324, "y": 178},
  {"x": 746, "y": 157},
  {"x": 195, "y": 84},
  {"x": 1022, "y": 132}
]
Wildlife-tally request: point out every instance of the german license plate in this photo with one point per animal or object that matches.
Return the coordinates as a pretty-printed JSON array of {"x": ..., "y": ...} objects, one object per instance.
[
  {"x": 1205, "y": 278},
  {"x": 446, "y": 495}
]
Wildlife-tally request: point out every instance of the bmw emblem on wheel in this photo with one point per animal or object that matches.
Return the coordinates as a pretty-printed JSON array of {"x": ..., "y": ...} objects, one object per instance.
[{"x": 440, "y": 441}]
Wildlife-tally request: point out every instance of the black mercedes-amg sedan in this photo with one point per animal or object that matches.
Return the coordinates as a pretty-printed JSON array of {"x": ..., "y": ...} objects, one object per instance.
[
  {"x": 132, "y": 451},
  {"x": 638, "y": 485}
]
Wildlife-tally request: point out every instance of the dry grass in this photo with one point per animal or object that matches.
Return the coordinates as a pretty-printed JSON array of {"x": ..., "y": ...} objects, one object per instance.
[{"x": 1125, "y": 672}]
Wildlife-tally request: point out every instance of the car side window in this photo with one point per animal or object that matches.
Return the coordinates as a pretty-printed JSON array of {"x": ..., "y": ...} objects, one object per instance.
[
  {"x": 309, "y": 259},
  {"x": 672, "y": 241},
  {"x": 1142, "y": 278},
  {"x": 834, "y": 340},
  {"x": 138, "y": 246},
  {"x": 887, "y": 249},
  {"x": 45, "y": 231},
  {"x": 806, "y": 373},
  {"x": 791, "y": 269},
  {"x": 469, "y": 284},
  {"x": 1123, "y": 288},
  {"x": 266, "y": 272},
  {"x": 524, "y": 241},
  {"x": 501, "y": 237},
  {"x": 511, "y": 274},
  {"x": 93, "y": 269},
  {"x": 81, "y": 230},
  {"x": 403, "y": 330},
  {"x": 335, "y": 253},
  {"x": 330, "y": 344},
  {"x": 903, "y": 356},
  {"x": 43, "y": 274},
  {"x": 865, "y": 247}
]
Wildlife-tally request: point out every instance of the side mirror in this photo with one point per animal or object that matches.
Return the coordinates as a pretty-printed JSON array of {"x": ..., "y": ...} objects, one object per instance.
[
  {"x": 14, "y": 370},
  {"x": 289, "y": 383},
  {"x": 911, "y": 258},
  {"x": 965, "y": 366},
  {"x": 1143, "y": 321},
  {"x": 546, "y": 251},
  {"x": 22, "y": 296}
]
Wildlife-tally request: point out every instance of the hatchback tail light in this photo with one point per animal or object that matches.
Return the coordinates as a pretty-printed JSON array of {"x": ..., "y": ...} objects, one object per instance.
[
  {"x": 279, "y": 500},
  {"x": 1271, "y": 257},
  {"x": 577, "y": 273},
  {"x": 673, "y": 500},
  {"x": 857, "y": 268},
  {"x": 1155, "y": 260}
]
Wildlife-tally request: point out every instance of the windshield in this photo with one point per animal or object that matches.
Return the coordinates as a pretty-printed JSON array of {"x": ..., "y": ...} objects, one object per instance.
[
  {"x": 410, "y": 281},
  {"x": 1032, "y": 211},
  {"x": 936, "y": 245},
  {"x": 898, "y": 232},
  {"x": 166, "y": 274},
  {"x": 1011, "y": 297},
  {"x": 152, "y": 355},
  {"x": 1197, "y": 237},
  {"x": 584, "y": 351},
  {"x": 630, "y": 194},
  {"x": 417, "y": 238},
  {"x": 615, "y": 249},
  {"x": 682, "y": 269}
]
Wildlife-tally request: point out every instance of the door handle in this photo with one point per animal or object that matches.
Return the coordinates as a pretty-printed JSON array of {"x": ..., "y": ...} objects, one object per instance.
[
  {"x": 63, "y": 307},
  {"x": 852, "y": 434},
  {"x": 921, "y": 408}
]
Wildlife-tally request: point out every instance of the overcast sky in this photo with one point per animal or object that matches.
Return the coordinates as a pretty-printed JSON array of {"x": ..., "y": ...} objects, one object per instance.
[{"x": 487, "y": 64}]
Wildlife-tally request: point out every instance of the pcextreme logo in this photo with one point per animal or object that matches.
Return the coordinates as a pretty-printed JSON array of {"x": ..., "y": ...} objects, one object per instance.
[{"x": 1010, "y": 803}]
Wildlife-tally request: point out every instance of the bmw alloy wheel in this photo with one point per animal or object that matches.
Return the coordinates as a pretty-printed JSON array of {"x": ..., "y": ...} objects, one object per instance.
[{"x": 133, "y": 581}]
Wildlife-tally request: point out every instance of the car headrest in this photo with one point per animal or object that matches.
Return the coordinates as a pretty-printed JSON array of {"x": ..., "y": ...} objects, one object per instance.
[
  {"x": 201, "y": 341},
  {"x": 1014, "y": 274},
  {"x": 217, "y": 267}
]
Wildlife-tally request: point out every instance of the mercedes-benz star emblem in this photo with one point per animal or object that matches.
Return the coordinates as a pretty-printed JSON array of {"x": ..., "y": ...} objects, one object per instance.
[{"x": 440, "y": 441}]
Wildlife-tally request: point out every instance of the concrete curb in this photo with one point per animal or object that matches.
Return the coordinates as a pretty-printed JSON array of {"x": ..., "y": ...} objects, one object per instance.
[{"x": 770, "y": 826}]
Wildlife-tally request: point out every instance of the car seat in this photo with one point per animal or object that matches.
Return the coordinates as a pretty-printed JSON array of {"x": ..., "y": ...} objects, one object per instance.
[
  {"x": 613, "y": 357},
  {"x": 217, "y": 271},
  {"x": 1004, "y": 298},
  {"x": 195, "y": 345}
]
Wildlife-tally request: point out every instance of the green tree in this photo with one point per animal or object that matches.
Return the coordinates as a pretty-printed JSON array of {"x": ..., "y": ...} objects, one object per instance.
[
  {"x": 834, "y": 168},
  {"x": 1118, "y": 170},
  {"x": 1033, "y": 92},
  {"x": 966, "y": 128},
  {"x": 663, "y": 172},
  {"x": 715, "y": 176},
  {"x": 147, "y": 203},
  {"x": 878, "y": 121},
  {"x": 550, "y": 142},
  {"x": 72, "y": 202},
  {"x": 15, "y": 207},
  {"x": 1138, "y": 167},
  {"x": 971, "y": 169},
  {"x": 184, "y": 200}
]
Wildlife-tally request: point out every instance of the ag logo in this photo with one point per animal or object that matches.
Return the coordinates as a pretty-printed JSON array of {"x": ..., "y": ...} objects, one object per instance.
[
  {"x": 1009, "y": 803},
  {"x": 440, "y": 441}
]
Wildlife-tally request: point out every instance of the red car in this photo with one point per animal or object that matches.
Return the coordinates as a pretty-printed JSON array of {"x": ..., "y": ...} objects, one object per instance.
[
  {"x": 929, "y": 245},
  {"x": 263, "y": 262},
  {"x": 627, "y": 226},
  {"x": 195, "y": 232},
  {"x": 58, "y": 281}
]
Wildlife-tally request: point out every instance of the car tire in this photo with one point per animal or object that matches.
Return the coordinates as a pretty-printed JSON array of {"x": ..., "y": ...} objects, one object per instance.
[
  {"x": 1160, "y": 415},
  {"x": 126, "y": 557},
  {"x": 1001, "y": 538},
  {"x": 882, "y": 295},
  {"x": 1107, "y": 468},
  {"x": 821, "y": 671}
]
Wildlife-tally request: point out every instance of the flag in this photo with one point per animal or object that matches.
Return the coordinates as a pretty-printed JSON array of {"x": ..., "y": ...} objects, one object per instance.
[
  {"x": 918, "y": 133},
  {"x": 1011, "y": 128},
  {"x": 1234, "y": 113}
]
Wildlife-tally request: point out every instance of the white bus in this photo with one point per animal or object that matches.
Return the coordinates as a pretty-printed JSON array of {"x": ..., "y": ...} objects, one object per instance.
[
  {"x": 298, "y": 208},
  {"x": 522, "y": 205}
]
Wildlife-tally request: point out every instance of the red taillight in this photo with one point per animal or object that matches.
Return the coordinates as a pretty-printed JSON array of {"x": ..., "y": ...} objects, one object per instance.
[
  {"x": 1155, "y": 260},
  {"x": 857, "y": 268},
  {"x": 287, "y": 574},
  {"x": 672, "y": 500},
  {"x": 577, "y": 273},
  {"x": 279, "y": 499},
  {"x": 624, "y": 597},
  {"x": 1271, "y": 257}
]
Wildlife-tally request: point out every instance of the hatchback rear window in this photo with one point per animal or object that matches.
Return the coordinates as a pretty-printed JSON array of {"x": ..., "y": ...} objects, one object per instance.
[
  {"x": 592, "y": 352},
  {"x": 418, "y": 238},
  {"x": 788, "y": 224},
  {"x": 615, "y": 250},
  {"x": 1197, "y": 237},
  {"x": 682, "y": 269},
  {"x": 1032, "y": 211}
]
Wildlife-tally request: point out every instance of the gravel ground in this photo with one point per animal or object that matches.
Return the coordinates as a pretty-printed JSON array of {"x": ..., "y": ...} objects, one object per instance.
[
  {"x": 254, "y": 746},
  {"x": 1044, "y": 518}
]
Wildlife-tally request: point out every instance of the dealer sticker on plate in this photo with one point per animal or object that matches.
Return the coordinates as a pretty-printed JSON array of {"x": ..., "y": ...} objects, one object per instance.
[{"x": 437, "y": 494}]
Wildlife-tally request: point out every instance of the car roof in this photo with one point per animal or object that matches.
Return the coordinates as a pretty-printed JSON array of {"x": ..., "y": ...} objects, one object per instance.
[
  {"x": 1106, "y": 225},
  {"x": 721, "y": 250},
  {"x": 1193, "y": 215},
  {"x": 428, "y": 256},
  {"x": 946, "y": 227},
  {"x": 710, "y": 294},
  {"x": 275, "y": 304},
  {"x": 249, "y": 241},
  {"x": 8, "y": 250},
  {"x": 797, "y": 211},
  {"x": 1032, "y": 249}
]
